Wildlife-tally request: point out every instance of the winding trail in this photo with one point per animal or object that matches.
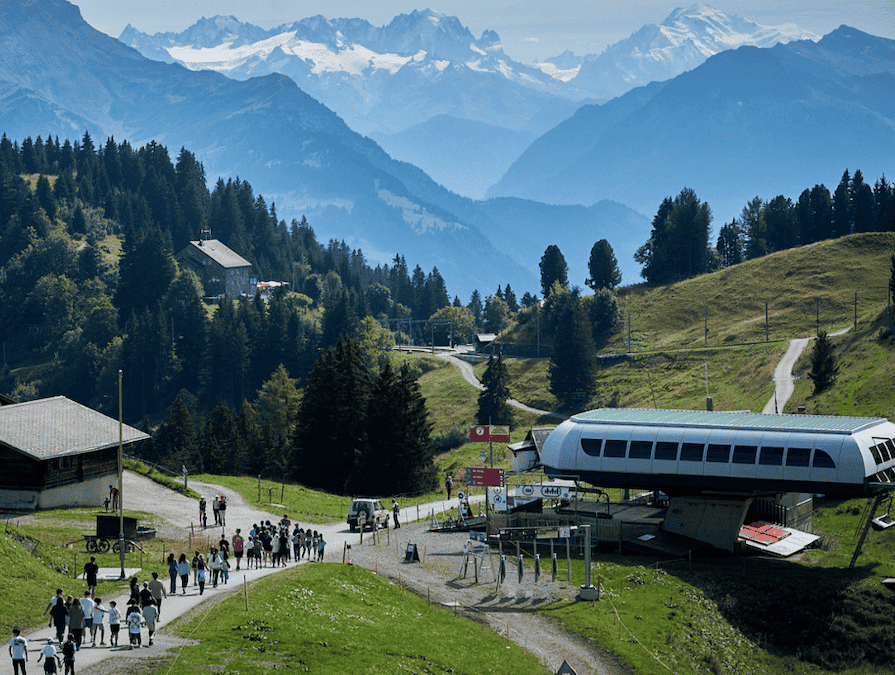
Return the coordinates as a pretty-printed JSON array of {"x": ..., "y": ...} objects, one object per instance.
[
  {"x": 783, "y": 381},
  {"x": 466, "y": 370}
]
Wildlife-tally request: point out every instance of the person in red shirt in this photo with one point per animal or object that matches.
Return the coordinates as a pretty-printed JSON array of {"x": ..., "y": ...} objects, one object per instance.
[{"x": 238, "y": 544}]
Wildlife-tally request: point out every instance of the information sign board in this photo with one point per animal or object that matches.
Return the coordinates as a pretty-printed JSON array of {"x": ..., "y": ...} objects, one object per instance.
[
  {"x": 541, "y": 491},
  {"x": 480, "y": 475}
]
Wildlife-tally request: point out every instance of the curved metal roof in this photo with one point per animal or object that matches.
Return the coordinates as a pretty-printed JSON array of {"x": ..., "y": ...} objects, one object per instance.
[{"x": 742, "y": 420}]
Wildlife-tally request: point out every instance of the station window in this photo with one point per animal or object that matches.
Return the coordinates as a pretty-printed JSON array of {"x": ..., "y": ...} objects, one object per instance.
[
  {"x": 771, "y": 456},
  {"x": 615, "y": 448},
  {"x": 884, "y": 451},
  {"x": 798, "y": 456},
  {"x": 692, "y": 452},
  {"x": 890, "y": 443},
  {"x": 744, "y": 454},
  {"x": 822, "y": 460},
  {"x": 592, "y": 446},
  {"x": 718, "y": 453},
  {"x": 640, "y": 450},
  {"x": 877, "y": 455},
  {"x": 666, "y": 450}
]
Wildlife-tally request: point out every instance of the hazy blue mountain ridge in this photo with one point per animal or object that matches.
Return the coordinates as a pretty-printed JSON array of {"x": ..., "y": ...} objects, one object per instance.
[{"x": 747, "y": 122}]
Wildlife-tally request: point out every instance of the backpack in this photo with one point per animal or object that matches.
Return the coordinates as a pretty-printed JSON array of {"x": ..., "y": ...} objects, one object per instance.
[{"x": 68, "y": 650}]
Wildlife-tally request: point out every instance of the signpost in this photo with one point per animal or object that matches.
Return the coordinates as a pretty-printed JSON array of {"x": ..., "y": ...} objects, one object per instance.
[{"x": 491, "y": 434}]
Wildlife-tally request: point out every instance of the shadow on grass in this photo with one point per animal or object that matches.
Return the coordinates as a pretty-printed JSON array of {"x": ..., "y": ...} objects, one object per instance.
[{"x": 832, "y": 617}]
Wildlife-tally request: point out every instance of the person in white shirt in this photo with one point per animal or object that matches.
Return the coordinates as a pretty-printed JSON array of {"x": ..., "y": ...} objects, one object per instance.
[
  {"x": 99, "y": 614},
  {"x": 48, "y": 652},
  {"x": 114, "y": 623},
  {"x": 134, "y": 620},
  {"x": 52, "y": 659},
  {"x": 87, "y": 604},
  {"x": 18, "y": 650},
  {"x": 150, "y": 614}
]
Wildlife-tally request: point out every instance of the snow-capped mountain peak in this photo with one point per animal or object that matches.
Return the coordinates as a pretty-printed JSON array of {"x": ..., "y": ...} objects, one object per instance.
[{"x": 656, "y": 52}]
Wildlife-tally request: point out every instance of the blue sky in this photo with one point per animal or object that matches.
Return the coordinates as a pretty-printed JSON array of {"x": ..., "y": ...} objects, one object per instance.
[{"x": 529, "y": 29}]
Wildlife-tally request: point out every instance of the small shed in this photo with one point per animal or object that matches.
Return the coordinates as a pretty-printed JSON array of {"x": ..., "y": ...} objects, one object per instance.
[
  {"x": 484, "y": 342},
  {"x": 221, "y": 270},
  {"x": 527, "y": 452},
  {"x": 56, "y": 452}
]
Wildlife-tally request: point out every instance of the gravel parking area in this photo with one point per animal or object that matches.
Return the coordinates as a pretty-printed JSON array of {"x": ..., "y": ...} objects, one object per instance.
[{"x": 506, "y": 608}]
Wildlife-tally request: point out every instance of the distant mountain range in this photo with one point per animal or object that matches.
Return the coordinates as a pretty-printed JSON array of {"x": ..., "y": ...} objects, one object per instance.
[
  {"x": 425, "y": 78},
  {"x": 747, "y": 122},
  {"x": 59, "y": 76}
]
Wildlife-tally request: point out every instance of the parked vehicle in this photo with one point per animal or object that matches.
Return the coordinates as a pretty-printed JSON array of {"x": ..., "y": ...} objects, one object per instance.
[{"x": 368, "y": 509}]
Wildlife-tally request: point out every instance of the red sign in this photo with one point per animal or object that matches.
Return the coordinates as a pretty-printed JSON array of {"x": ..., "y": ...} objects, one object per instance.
[
  {"x": 479, "y": 434},
  {"x": 480, "y": 475},
  {"x": 485, "y": 433}
]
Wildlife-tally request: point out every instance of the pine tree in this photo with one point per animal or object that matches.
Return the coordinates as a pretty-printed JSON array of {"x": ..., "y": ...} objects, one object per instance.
[
  {"x": 553, "y": 268},
  {"x": 493, "y": 406},
  {"x": 339, "y": 320},
  {"x": 823, "y": 363},
  {"x": 573, "y": 360},
  {"x": 277, "y": 407},
  {"x": 509, "y": 297},
  {"x": 730, "y": 244},
  {"x": 475, "y": 306},
  {"x": 755, "y": 229},
  {"x": 221, "y": 440},
  {"x": 842, "y": 207},
  {"x": 144, "y": 273},
  {"x": 603, "y": 267},
  {"x": 175, "y": 442},
  {"x": 186, "y": 314},
  {"x": 398, "y": 456},
  {"x": 330, "y": 432},
  {"x": 781, "y": 225}
]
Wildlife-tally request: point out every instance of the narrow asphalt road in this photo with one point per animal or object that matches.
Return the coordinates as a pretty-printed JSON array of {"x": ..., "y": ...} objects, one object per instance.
[{"x": 783, "y": 379}]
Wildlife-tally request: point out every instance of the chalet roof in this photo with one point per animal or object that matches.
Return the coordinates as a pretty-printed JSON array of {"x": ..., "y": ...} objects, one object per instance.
[
  {"x": 55, "y": 427},
  {"x": 217, "y": 251}
]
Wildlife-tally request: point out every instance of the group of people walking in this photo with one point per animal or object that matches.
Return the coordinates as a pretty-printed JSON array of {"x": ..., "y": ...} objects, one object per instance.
[
  {"x": 81, "y": 620},
  {"x": 218, "y": 509},
  {"x": 276, "y": 545}
]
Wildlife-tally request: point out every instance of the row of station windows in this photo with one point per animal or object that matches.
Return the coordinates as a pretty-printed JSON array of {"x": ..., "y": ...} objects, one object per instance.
[
  {"x": 700, "y": 452},
  {"x": 883, "y": 451}
]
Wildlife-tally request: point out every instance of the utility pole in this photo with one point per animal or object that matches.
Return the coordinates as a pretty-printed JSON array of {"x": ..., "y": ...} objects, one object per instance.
[{"x": 706, "y": 326}]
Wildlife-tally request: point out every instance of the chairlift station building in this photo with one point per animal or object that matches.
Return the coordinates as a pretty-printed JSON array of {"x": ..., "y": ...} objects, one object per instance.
[{"x": 712, "y": 465}]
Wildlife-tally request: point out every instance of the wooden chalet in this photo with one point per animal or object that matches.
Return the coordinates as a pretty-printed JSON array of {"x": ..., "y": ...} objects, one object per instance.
[{"x": 55, "y": 452}]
